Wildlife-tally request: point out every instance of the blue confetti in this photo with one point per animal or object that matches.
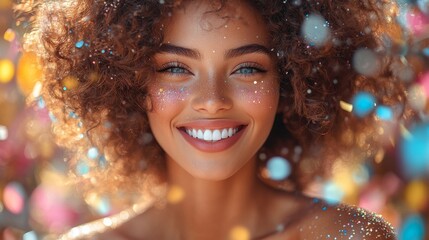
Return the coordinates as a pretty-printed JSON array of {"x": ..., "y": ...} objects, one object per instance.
[
  {"x": 332, "y": 193},
  {"x": 363, "y": 104},
  {"x": 79, "y": 44},
  {"x": 415, "y": 151},
  {"x": 278, "y": 168},
  {"x": 82, "y": 168},
  {"x": 412, "y": 228},
  {"x": 426, "y": 51},
  {"x": 103, "y": 207},
  {"x": 384, "y": 113}
]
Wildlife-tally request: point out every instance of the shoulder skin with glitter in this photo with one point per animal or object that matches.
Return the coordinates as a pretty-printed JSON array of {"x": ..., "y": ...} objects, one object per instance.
[{"x": 340, "y": 222}]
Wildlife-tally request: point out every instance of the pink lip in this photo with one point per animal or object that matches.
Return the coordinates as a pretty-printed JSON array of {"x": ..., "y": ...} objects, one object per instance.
[
  {"x": 217, "y": 146},
  {"x": 211, "y": 124}
]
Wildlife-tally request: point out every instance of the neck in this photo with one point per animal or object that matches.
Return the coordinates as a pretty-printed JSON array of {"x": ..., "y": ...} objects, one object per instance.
[{"x": 211, "y": 207}]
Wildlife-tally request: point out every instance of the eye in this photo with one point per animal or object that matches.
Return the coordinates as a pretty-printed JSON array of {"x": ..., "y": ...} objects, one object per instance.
[
  {"x": 247, "y": 69},
  {"x": 174, "y": 68}
]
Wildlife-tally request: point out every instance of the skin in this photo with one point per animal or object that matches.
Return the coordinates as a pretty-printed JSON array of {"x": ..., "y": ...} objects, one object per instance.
[{"x": 220, "y": 190}]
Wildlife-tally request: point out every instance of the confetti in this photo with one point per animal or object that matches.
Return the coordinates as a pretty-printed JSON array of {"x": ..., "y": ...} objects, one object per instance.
[
  {"x": 7, "y": 70},
  {"x": 346, "y": 106},
  {"x": 175, "y": 194},
  {"x": 315, "y": 30},
  {"x": 363, "y": 103},
  {"x": 384, "y": 113},
  {"x": 415, "y": 151},
  {"x": 9, "y": 35},
  {"x": 80, "y": 44},
  {"x": 3, "y": 133},
  {"x": 14, "y": 197},
  {"x": 239, "y": 233},
  {"x": 412, "y": 228},
  {"x": 28, "y": 72},
  {"x": 278, "y": 168},
  {"x": 366, "y": 62},
  {"x": 93, "y": 153},
  {"x": 332, "y": 193}
]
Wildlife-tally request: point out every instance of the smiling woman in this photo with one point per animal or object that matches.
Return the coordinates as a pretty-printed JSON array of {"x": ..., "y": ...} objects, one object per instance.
[{"x": 202, "y": 96}]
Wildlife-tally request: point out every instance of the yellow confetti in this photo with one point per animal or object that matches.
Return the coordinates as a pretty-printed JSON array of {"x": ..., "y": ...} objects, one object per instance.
[
  {"x": 70, "y": 82},
  {"x": 239, "y": 233},
  {"x": 175, "y": 194},
  {"x": 28, "y": 72},
  {"x": 7, "y": 70},
  {"x": 9, "y": 35},
  {"x": 416, "y": 195},
  {"x": 346, "y": 106}
]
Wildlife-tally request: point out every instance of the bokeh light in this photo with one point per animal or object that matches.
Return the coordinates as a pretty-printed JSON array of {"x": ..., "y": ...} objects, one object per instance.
[
  {"x": 28, "y": 72},
  {"x": 412, "y": 228},
  {"x": 278, "y": 168},
  {"x": 315, "y": 30},
  {"x": 415, "y": 151},
  {"x": 393, "y": 181},
  {"x": 14, "y": 197},
  {"x": 239, "y": 233},
  {"x": 363, "y": 103},
  {"x": 7, "y": 70},
  {"x": 366, "y": 62}
]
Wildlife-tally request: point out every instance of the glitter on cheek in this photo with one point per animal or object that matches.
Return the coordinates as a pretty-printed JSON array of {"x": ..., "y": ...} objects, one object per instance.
[
  {"x": 258, "y": 92},
  {"x": 167, "y": 95}
]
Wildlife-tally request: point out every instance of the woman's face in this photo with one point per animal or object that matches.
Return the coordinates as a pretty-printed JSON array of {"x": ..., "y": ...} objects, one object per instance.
[{"x": 216, "y": 89}]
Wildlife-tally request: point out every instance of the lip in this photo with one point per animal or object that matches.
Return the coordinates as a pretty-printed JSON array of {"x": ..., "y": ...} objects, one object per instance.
[{"x": 217, "y": 146}]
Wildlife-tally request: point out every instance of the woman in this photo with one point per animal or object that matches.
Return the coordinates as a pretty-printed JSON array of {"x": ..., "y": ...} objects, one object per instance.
[{"x": 200, "y": 95}]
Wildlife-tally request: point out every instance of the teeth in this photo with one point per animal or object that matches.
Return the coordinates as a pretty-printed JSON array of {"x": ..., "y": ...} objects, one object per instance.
[
  {"x": 212, "y": 135},
  {"x": 224, "y": 133}
]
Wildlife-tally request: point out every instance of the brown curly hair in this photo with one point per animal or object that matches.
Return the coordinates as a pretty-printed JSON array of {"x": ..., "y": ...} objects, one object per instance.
[{"x": 96, "y": 57}]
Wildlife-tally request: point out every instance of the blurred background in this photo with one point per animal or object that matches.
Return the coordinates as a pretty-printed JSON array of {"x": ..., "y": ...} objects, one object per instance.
[{"x": 34, "y": 196}]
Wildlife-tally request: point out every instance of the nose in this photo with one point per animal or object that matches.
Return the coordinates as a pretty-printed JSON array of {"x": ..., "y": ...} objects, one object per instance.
[{"x": 211, "y": 97}]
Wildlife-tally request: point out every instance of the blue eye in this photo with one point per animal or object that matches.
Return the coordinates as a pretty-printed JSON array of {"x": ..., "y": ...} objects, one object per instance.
[
  {"x": 249, "y": 69},
  {"x": 178, "y": 70},
  {"x": 174, "y": 68}
]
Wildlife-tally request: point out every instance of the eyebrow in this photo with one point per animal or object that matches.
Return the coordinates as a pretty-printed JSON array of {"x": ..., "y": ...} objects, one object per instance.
[
  {"x": 235, "y": 52},
  {"x": 187, "y": 52},
  {"x": 246, "y": 49}
]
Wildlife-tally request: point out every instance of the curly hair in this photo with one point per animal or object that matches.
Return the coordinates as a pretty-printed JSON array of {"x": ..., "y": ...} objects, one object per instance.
[{"x": 96, "y": 57}]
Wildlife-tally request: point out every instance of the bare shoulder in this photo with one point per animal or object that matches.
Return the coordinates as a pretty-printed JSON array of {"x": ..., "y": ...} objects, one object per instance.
[{"x": 340, "y": 222}]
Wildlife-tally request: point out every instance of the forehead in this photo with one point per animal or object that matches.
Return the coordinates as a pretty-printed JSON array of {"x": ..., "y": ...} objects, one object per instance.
[{"x": 203, "y": 21}]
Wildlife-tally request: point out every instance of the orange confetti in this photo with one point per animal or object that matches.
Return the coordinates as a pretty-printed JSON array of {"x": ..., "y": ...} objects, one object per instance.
[
  {"x": 28, "y": 72},
  {"x": 9, "y": 35}
]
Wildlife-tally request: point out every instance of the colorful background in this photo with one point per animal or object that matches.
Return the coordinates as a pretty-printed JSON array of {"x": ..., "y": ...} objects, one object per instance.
[{"x": 35, "y": 198}]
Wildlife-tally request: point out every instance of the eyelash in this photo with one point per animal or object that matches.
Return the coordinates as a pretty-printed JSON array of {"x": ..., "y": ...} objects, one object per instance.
[
  {"x": 168, "y": 68},
  {"x": 254, "y": 67}
]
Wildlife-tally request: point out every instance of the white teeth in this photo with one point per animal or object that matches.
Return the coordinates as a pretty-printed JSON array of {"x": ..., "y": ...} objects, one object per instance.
[
  {"x": 216, "y": 135},
  {"x": 200, "y": 134},
  {"x": 208, "y": 135},
  {"x": 211, "y": 135},
  {"x": 224, "y": 133}
]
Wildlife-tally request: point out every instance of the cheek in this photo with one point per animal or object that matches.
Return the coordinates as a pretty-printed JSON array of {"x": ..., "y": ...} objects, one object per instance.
[
  {"x": 260, "y": 96},
  {"x": 167, "y": 97}
]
